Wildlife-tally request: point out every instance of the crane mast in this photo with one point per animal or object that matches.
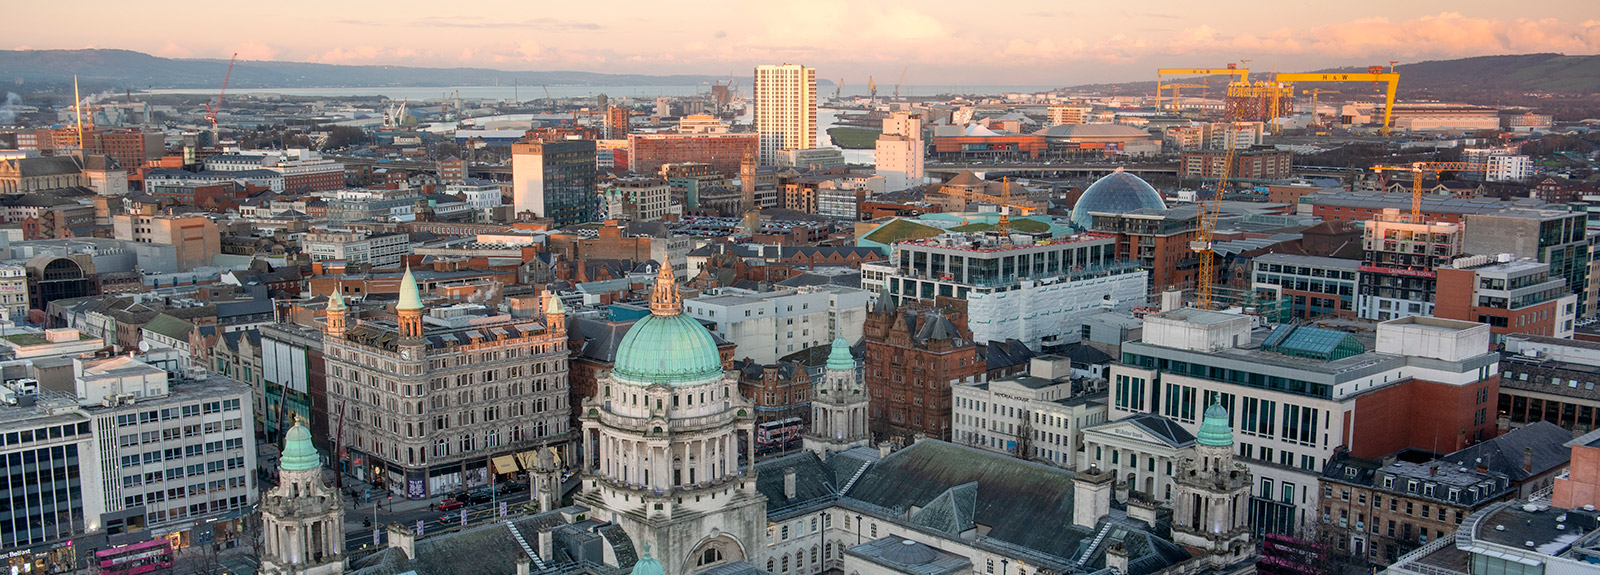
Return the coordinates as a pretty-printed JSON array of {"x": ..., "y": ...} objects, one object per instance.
[
  {"x": 1203, "y": 246},
  {"x": 212, "y": 111}
]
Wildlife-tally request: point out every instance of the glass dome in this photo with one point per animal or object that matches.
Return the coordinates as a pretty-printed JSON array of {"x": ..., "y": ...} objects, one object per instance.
[{"x": 1118, "y": 192}]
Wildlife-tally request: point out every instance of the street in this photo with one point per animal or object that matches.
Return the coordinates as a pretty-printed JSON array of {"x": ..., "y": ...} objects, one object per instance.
[{"x": 358, "y": 536}]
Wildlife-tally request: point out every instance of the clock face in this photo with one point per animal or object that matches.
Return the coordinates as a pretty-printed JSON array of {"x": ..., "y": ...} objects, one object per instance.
[{"x": 405, "y": 354}]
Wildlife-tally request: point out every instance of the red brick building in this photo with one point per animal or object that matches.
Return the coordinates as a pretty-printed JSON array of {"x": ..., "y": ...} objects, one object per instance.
[
  {"x": 722, "y": 151},
  {"x": 1481, "y": 289},
  {"x": 913, "y": 352}
]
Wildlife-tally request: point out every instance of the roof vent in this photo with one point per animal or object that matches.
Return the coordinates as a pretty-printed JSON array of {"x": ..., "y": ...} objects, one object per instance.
[
  {"x": 1561, "y": 527},
  {"x": 1529, "y": 507},
  {"x": 1588, "y": 507},
  {"x": 1528, "y": 544},
  {"x": 1499, "y": 528},
  {"x": 1561, "y": 518}
]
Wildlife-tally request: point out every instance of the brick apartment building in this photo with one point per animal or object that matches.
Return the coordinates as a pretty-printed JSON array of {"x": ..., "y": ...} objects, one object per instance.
[
  {"x": 724, "y": 152},
  {"x": 914, "y": 352},
  {"x": 1250, "y": 165}
]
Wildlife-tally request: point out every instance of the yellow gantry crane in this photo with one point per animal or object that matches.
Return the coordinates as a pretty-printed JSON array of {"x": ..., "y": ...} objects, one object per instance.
[
  {"x": 1417, "y": 169},
  {"x": 1176, "y": 94},
  {"x": 1231, "y": 70},
  {"x": 1374, "y": 74}
]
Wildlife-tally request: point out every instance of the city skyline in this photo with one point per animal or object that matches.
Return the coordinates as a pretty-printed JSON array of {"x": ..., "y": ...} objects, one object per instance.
[{"x": 935, "y": 42}]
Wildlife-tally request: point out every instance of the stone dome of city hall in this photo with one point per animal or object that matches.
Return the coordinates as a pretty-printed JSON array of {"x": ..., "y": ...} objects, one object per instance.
[
  {"x": 667, "y": 346},
  {"x": 1118, "y": 192}
]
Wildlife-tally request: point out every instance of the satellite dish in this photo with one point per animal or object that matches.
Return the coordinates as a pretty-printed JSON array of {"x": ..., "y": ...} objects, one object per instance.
[{"x": 144, "y": 346}]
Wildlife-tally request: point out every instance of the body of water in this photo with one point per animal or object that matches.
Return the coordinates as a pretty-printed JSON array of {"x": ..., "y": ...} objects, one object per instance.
[{"x": 526, "y": 93}]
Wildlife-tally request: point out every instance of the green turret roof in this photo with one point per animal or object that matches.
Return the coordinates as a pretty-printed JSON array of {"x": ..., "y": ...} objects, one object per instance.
[
  {"x": 335, "y": 301},
  {"x": 839, "y": 357},
  {"x": 647, "y": 565},
  {"x": 298, "y": 452},
  {"x": 1214, "y": 429},
  {"x": 410, "y": 297}
]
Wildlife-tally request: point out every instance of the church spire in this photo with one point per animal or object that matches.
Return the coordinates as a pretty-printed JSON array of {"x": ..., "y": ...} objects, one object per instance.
[{"x": 664, "y": 298}]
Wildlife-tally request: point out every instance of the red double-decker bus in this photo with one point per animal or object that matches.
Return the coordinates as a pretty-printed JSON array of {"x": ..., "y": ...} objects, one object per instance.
[{"x": 146, "y": 557}]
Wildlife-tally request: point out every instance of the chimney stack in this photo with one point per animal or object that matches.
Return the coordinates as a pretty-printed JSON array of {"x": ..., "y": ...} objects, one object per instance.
[
  {"x": 546, "y": 544},
  {"x": 1091, "y": 496},
  {"x": 1116, "y": 558},
  {"x": 404, "y": 539},
  {"x": 788, "y": 482},
  {"x": 522, "y": 565},
  {"x": 1527, "y": 459}
]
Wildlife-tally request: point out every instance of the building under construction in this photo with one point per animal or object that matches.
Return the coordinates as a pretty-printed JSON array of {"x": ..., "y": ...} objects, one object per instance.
[{"x": 1259, "y": 101}]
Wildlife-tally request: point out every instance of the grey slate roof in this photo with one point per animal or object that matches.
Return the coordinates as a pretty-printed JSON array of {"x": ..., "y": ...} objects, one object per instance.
[
  {"x": 1504, "y": 453},
  {"x": 488, "y": 548},
  {"x": 1022, "y": 502},
  {"x": 1162, "y": 428}
]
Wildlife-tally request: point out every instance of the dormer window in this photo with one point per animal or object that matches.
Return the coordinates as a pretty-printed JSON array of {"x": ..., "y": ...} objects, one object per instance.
[
  {"x": 1388, "y": 482},
  {"x": 1411, "y": 486}
]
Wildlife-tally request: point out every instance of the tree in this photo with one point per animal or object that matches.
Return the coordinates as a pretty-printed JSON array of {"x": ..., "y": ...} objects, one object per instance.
[{"x": 341, "y": 136}]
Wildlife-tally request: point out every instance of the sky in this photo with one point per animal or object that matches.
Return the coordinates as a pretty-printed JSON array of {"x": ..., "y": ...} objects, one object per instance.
[{"x": 931, "y": 42}]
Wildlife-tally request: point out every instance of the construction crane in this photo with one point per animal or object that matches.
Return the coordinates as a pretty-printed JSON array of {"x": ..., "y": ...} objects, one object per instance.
[
  {"x": 211, "y": 111},
  {"x": 1232, "y": 70},
  {"x": 1005, "y": 203},
  {"x": 549, "y": 100},
  {"x": 1203, "y": 246},
  {"x": 1175, "y": 92},
  {"x": 1374, "y": 74},
  {"x": 1417, "y": 168},
  {"x": 838, "y": 89},
  {"x": 902, "y": 81},
  {"x": 872, "y": 90}
]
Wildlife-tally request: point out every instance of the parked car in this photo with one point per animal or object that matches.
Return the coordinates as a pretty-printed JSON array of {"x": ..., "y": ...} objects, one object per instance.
[
  {"x": 477, "y": 497},
  {"x": 450, "y": 504}
]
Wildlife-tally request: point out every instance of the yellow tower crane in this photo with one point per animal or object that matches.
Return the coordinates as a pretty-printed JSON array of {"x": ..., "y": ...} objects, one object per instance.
[
  {"x": 1417, "y": 169},
  {"x": 1203, "y": 246}
]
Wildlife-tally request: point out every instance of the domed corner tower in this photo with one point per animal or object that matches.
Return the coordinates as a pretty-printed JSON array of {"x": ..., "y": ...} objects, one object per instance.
[
  {"x": 663, "y": 439},
  {"x": 1118, "y": 192},
  {"x": 302, "y": 520},
  {"x": 1211, "y": 502},
  {"x": 838, "y": 406}
]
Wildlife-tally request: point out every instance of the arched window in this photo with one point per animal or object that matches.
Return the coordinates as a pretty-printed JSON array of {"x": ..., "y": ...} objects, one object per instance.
[
  {"x": 814, "y": 552},
  {"x": 827, "y": 551},
  {"x": 785, "y": 563},
  {"x": 769, "y": 565},
  {"x": 710, "y": 556}
]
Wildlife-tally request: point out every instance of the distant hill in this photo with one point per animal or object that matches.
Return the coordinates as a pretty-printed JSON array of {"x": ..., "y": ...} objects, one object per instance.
[
  {"x": 1550, "y": 73},
  {"x": 126, "y": 69}
]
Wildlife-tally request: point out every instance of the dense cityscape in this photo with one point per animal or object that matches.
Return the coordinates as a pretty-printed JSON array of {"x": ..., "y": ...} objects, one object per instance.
[{"x": 1218, "y": 321}]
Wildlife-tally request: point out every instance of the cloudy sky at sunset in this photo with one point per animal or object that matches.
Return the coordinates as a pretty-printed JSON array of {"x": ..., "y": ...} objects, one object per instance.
[{"x": 1055, "y": 42}]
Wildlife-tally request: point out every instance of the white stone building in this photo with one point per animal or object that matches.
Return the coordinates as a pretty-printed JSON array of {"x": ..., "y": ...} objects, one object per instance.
[
  {"x": 1037, "y": 416},
  {"x": 770, "y": 325}
]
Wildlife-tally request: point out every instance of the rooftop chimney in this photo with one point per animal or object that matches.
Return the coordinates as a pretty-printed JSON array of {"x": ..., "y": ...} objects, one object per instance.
[
  {"x": 1527, "y": 459},
  {"x": 546, "y": 543},
  {"x": 522, "y": 565},
  {"x": 788, "y": 482},
  {"x": 1091, "y": 496},
  {"x": 402, "y": 538}
]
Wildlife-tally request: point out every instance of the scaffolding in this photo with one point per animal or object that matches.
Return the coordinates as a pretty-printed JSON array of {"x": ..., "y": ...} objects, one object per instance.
[{"x": 1259, "y": 102}]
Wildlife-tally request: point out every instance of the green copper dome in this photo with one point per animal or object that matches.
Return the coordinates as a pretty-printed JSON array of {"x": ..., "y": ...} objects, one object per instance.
[
  {"x": 647, "y": 565},
  {"x": 1214, "y": 430},
  {"x": 298, "y": 452},
  {"x": 671, "y": 349},
  {"x": 839, "y": 357}
]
